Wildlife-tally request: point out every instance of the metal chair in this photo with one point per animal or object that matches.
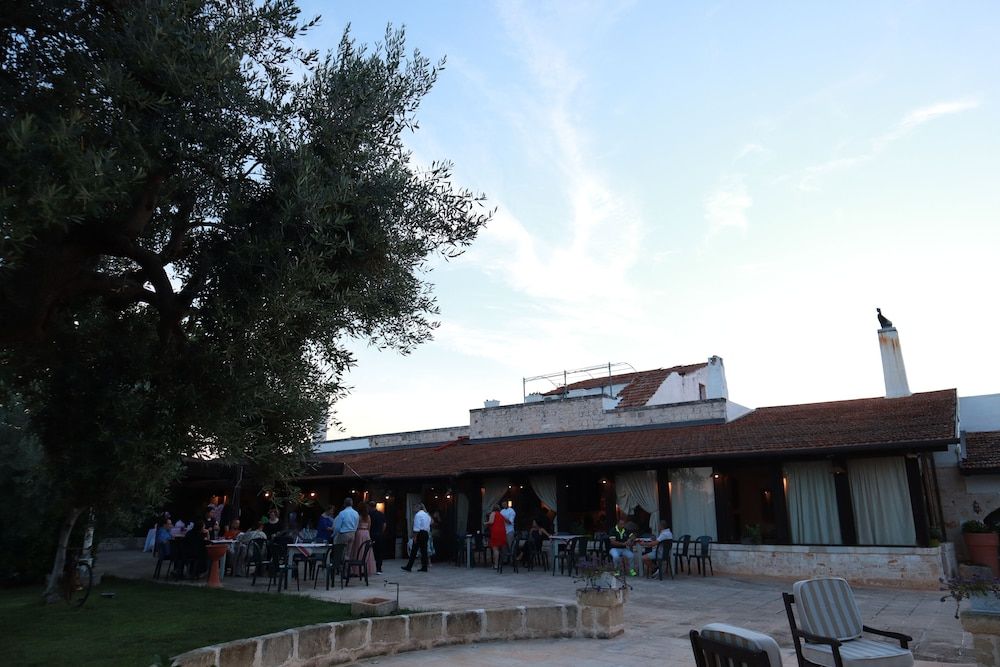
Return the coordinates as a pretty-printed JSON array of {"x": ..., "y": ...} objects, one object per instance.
[
  {"x": 832, "y": 628},
  {"x": 721, "y": 645}
]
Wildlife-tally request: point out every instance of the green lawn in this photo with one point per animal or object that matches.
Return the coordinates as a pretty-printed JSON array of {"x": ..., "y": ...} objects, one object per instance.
[{"x": 145, "y": 620}]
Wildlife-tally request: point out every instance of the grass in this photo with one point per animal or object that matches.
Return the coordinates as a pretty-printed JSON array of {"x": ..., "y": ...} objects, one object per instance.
[{"x": 145, "y": 620}]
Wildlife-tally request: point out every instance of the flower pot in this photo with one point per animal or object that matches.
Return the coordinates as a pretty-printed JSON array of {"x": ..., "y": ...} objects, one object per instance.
[
  {"x": 603, "y": 597},
  {"x": 982, "y": 549},
  {"x": 985, "y": 603}
]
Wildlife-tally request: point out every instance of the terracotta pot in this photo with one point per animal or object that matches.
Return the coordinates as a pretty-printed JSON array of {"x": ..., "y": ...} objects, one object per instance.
[
  {"x": 215, "y": 554},
  {"x": 982, "y": 549}
]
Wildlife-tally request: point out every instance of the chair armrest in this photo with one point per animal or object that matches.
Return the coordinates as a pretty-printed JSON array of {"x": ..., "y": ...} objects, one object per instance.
[
  {"x": 834, "y": 644},
  {"x": 898, "y": 636}
]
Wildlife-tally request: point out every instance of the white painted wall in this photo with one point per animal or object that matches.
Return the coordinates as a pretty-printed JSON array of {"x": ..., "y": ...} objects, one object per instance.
[{"x": 678, "y": 388}]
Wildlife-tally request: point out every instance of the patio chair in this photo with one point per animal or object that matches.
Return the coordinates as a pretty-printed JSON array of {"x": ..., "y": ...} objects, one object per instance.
[
  {"x": 332, "y": 564},
  {"x": 832, "y": 629},
  {"x": 278, "y": 567},
  {"x": 681, "y": 554},
  {"x": 514, "y": 552},
  {"x": 480, "y": 549},
  {"x": 255, "y": 557},
  {"x": 567, "y": 554},
  {"x": 662, "y": 556},
  {"x": 702, "y": 555},
  {"x": 360, "y": 564},
  {"x": 721, "y": 645}
]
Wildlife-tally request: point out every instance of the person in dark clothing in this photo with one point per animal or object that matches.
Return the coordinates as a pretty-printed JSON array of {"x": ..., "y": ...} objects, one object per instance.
[
  {"x": 194, "y": 548},
  {"x": 377, "y": 533}
]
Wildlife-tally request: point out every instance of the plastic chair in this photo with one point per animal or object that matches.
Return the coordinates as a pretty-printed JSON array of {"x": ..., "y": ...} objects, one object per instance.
[
  {"x": 332, "y": 564},
  {"x": 702, "y": 555},
  {"x": 661, "y": 557},
  {"x": 278, "y": 568},
  {"x": 681, "y": 554},
  {"x": 361, "y": 564},
  {"x": 832, "y": 628},
  {"x": 566, "y": 555},
  {"x": 479, "y": 548},
  {"x": 162, "y": 552},
  {"x": 730, "y": 646}
]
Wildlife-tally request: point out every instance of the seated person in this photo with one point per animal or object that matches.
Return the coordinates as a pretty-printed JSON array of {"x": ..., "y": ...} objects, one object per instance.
[
  {"x": 534, "y": 543},
  {"x": 163, "y": 536},
  {"x": 621, "y": 547},
  {"x": 179, "y": 529},
  {"x": 242, "y": 547},
  {"x": 233, "y": 531},
  {"x": 195, "y": 551},
  {"x": 272, "y": 523},
  {"x": 648, "y": 567},
  {"x": 306, "y": 534}
]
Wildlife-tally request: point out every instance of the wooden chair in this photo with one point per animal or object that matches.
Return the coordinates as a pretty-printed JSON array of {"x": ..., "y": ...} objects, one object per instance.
[
  {"x": 702, "y": 555},
  {"x": 831, "y": 627},
  {"x": 721, "y": 645}
]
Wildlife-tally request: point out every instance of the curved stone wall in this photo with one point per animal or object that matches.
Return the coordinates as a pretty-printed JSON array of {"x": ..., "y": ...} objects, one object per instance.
[{"x": 347, "y": 641}]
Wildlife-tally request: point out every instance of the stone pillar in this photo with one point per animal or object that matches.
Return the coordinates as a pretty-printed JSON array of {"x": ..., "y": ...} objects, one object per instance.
[
  {"x": 602, "y": 612},
  {"x": 985, "y": 629},
  {"x": 892, "y": 363}
]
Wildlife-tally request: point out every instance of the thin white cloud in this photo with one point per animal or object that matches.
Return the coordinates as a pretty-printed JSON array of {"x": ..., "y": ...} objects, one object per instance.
[
  {"x": 809, "y": 180},
  {"x": 726, "y": 206}
]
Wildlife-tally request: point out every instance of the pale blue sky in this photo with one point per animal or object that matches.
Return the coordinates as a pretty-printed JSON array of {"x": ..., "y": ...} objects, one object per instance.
[{"x": 677, "y": 180}]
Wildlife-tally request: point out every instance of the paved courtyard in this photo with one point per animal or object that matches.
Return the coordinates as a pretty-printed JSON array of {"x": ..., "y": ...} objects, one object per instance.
[{"x": 658, "y": 615}]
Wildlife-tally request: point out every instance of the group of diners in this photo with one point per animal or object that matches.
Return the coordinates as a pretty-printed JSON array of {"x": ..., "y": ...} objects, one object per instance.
[
  {"x": 185, "y": 545},
  {"x": 623, "y": 545}
]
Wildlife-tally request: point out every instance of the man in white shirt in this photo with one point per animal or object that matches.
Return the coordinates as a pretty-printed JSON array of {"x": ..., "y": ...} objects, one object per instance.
[
  {"x": 509, "y": 514},
  {"x": 647, "y": 558},
  {"x": 421, "y": 533}
]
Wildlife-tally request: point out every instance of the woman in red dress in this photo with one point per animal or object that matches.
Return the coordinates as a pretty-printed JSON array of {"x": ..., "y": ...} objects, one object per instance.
[{"x": 498, "y": 532}]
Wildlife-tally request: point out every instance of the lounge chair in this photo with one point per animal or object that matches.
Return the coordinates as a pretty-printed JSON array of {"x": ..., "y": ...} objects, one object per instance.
[{"x": 831, "y": 629}]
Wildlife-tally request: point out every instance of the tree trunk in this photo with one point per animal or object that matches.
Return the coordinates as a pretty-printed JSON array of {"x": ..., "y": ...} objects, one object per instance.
[{"x": 52, "y": 592}]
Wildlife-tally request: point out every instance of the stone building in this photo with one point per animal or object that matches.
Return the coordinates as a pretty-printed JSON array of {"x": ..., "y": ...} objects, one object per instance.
[{"x": 862, "y": 488}]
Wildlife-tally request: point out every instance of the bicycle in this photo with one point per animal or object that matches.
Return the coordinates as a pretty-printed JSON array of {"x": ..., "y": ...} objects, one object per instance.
[{"x": 77, "y": 578}]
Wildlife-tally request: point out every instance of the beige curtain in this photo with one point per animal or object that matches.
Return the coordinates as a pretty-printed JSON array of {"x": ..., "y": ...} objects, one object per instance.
[
  {"x": 812, "y": 503},
  {"x": 692, "y": 502},
  {"x": 638, "y": 487},
  {"x": 881, "y": 498},
  {"x": 544, "y": 487},
  {"x": 495, "y": 488}
]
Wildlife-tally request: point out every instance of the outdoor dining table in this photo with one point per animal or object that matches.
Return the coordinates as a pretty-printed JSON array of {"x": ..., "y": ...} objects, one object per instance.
[{"x": 303, "y": 549}]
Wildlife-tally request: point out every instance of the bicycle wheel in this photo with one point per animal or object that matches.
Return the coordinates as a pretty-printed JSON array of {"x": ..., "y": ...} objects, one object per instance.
[{"x": 78, "y": 589}]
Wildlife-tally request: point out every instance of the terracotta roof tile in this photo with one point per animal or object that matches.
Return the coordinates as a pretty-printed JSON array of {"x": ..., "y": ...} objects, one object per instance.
[
  {"x": 982, "y": 451},
  {"x": 640, "y": 386},
  {"x": 926, "y": 419}
]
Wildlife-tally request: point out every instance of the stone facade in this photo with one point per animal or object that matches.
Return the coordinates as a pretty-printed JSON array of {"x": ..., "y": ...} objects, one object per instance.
[
  {"x": 348, "y": 641},
  {"x": 909, "y": 567},
  {"x": 584, "y": 413},
  {"x": 985, "y": 630}
]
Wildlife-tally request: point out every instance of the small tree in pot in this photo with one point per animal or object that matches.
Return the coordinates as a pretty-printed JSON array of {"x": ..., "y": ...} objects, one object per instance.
[{"x": 981, "y": 542}]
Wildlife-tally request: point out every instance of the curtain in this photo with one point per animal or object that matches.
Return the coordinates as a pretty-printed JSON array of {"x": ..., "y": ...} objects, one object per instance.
[
  {"x": 412, "y": 500},
  {"x": 544, "y": 487},
  {"x": 462, "y": 513},
  {"x": 638, "y": 487},
  {"x": 495, "y": 488},
  {"x": 881, "y": 498},
  {"x": 692, "y": 501},
  {"x": 812, "y": 503}
]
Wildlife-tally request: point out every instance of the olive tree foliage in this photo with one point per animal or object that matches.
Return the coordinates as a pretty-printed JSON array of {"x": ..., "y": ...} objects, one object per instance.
[{"x": 195, "y": 213}]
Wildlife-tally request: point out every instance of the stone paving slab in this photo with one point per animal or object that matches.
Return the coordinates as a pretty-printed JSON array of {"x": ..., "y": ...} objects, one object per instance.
[{"x": 658, "y": 614}]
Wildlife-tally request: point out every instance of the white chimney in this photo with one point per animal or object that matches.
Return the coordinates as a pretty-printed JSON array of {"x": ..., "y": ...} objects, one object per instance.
[
  {"x": 716, "y": 379},
  {"x": 892, "y": 360}
]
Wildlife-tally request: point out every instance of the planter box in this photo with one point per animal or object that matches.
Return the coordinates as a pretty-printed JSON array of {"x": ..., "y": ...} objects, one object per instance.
[
  {"x": 373, "y": 607},
  {"x": 983, "y": 549},
  {"x": 605, "y": 597}
]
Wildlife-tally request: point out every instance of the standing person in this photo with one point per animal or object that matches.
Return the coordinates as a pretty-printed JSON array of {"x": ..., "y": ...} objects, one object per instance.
[
  {"x": 378, "y": 529},
  {"x": 421, "y": 534},
  {"x": 346, "y": 525},
  {"x": 324, "y": 530},
  {"x": 363, "y": 534},
  {"x": 509, "y": 514},
  {"x": 498, "y": 532}
]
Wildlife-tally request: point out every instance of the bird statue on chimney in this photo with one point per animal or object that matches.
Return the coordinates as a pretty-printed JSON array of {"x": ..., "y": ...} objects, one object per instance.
[{"x": 882, "y": 319}]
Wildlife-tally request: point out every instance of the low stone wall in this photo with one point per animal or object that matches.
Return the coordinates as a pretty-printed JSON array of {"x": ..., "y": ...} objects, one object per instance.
[
  {"x": 348, "y": 641},
  {"x": 912, "y": 567}
]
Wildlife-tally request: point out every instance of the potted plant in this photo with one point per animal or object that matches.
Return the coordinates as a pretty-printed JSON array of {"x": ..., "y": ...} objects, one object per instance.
[
  {"x": 981, "y": 543},
  {"x": 982, "y": 592},
  {"x": 934, "y": 537},
  {"x": 752, "y": 534},
  {"x": 603, "y": 586}
]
